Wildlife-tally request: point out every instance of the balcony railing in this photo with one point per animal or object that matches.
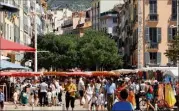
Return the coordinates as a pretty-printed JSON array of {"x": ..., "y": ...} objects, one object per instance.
[
  {"x": 152, "y": 46},
  {"x": 26, "y": 28},
  {"x": 153, "y": 62},
  {"x": 153, "y": 17}
]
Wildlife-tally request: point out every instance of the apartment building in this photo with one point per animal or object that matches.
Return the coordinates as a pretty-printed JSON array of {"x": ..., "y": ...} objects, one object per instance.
[
  {"x": 153, "y": 26},
  {"x": 70, "y": 25},
  {"x": 19, "y": 27},
  {"x": 108, "y": 22},
  {"x": 54, "y": 20},
  {"x": 100, "y": 6}
]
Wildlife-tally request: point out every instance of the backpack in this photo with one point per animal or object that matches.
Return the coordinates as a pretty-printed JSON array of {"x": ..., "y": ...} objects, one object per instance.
[{"x": 151, "y": 89}]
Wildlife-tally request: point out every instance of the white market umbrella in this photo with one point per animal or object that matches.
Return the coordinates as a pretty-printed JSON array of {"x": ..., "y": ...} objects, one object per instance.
[{"x": 4, "y": 58}]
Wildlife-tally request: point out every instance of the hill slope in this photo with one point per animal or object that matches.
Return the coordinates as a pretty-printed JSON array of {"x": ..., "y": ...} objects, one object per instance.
[{"x": 74, "y": 5}]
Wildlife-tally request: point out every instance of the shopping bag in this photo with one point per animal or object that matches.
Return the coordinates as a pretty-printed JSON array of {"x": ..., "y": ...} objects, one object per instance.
[
  {"x": 169, "y": 96},
  {"x": 83, "y": 101}
]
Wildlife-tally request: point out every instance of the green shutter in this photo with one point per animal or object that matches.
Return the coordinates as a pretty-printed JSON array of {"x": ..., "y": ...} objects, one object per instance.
[
  {"x": 147, "y": 58},
  {"x": 158, "y": 35},
  {"x": 169, "y": 34},
  {"x": 158, "y": 58},
  {"x": 147, "y": 35}
]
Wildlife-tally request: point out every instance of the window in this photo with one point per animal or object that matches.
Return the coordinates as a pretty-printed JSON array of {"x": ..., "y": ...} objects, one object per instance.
[
  {"x": 153, "y": 34},
  {"x": 174, "y": 10},
  {"x": 115, "y": 20},
  {"x": 172, "y": 32},
  {"x": 153, "y": 10},
  {"x": 153, "y": 57}
]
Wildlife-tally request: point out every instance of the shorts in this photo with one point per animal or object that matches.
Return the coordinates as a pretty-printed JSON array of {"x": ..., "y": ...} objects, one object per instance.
[
  {"x": 93, "y": 104},
  {"x": 49, "y": 100},
  {"x": 81, "y": 92},
  {"x": 2, "y": 104},
  {"x": 54, "y": 94}
]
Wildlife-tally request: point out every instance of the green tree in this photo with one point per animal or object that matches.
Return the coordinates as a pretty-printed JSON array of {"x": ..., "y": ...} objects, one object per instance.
[
  {"x": 98, "y": 51},
  {"x": 173, "y": 52},
  {"x": 62, "y": 51}
]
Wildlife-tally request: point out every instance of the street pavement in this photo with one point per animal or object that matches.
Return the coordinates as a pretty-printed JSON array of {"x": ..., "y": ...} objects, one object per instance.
[{"x": 11, "y": 106}]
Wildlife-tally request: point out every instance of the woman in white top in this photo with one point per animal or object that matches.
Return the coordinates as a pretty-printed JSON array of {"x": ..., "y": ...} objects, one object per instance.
[
  {"x": 54, "y": 93},
  {"x": 89, "y": 93}
]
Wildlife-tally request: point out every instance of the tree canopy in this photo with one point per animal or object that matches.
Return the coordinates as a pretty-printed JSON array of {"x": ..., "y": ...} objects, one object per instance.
[
  {"x": 94, "y": 51},
  {"x": 173, "y": 52}
]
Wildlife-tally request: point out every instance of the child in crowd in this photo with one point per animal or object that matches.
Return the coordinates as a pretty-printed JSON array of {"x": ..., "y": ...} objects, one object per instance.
[
  {"x": 15, "y": 98},
  {"x": 101, "y": 101},
  {"x": 49, "y": 96},
  {"x": 93, "y": 102}
]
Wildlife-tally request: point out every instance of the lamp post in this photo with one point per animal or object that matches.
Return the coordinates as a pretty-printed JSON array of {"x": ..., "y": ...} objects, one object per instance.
[
  {"x": 173, "y": 26},
  {"x": 178, "y": 33}
]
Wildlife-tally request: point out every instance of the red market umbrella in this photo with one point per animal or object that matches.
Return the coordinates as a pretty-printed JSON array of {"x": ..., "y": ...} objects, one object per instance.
[
  {"x": 5, "y": 73},
  {"x": 54, "y": 74},
  {"x": 19, "y": 74},
  {"x": 9, "y": 45},
  {"x": 79, "y": 73}
]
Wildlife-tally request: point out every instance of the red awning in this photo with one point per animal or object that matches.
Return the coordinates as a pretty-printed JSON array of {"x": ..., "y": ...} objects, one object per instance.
[{"x": 9, "y": 45}]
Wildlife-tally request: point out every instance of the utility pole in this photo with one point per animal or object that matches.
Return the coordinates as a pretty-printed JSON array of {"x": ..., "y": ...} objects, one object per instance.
[
  {"x": 178, "y": 34},
  {"x": 35, "y": 23},
  {"x": 140, "y": 34}
]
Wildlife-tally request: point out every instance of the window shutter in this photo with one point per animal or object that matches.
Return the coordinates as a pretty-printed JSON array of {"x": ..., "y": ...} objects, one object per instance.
[
  {"x": 169, "y": 34},
  {"x": 147, "y": 35},
  {"x": 158, "y": 35},
  {"x": 158, "y": 58},
  {"x": 147, "y": 58}
]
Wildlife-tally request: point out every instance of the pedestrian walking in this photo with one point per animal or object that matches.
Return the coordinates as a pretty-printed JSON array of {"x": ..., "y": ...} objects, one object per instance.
[
  {"x": 70, "y": 89},
  {"x": 110, "y": 89},
  {"x": 15, "y": 98},
  {"x": 1, "y": 99},
  {"x": 43, "y": 93}
]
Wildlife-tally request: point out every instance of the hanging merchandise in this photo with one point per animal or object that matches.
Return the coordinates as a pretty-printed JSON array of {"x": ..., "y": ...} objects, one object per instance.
[{"x": 169, "y": 96}]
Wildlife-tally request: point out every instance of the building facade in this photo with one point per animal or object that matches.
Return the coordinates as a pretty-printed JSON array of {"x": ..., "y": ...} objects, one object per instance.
[
  {"x": 108, "y": 22},
  {"x": 153, "y": 26},
  {"x": 100, "y": 6},
  {"x": 19, "y": 26},
  {"x": 54, "y": 20}
]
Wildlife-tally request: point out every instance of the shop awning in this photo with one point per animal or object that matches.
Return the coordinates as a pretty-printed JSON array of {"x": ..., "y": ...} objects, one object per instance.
[
  {"x": 6, "y": 65},
  {"x": 9, "y": 45},
  {"x": 8, "y": 7}
]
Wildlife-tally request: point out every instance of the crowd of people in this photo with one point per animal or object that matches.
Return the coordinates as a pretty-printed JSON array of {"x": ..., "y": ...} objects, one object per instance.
[{"x": 94, "y": 93}]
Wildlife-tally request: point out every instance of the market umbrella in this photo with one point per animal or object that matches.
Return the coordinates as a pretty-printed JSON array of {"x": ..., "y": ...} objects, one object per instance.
[
  {"x": 4, "y": 58},
  {"x": 54, "y": 74},
  {"x": 79, "y": 73},
  {"x": 124, "y": 71},
  {"x": 8, "y": 7},
  {"x": 6, "y": 65}
]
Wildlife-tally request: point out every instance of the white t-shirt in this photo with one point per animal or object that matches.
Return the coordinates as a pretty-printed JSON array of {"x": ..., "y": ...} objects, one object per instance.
[
  {"x": 81, "y": 85},
  {"x": 43, "y": 87},
  {"x": 49, "y": 95}
]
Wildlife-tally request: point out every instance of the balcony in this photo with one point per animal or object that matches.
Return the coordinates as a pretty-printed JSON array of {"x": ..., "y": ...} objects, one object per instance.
[
  {"x": 152, "y": 46},
  {"x": 153, "y": 62},
  {"x": 153, "y": 17}
]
